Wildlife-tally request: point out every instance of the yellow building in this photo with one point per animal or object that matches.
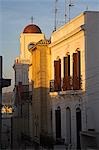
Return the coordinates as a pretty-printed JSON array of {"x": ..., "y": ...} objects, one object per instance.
[
  {"x": 32, "y": 68},
  {"x": 41, "y": 58},
  {"x": 31, "y": 34}
]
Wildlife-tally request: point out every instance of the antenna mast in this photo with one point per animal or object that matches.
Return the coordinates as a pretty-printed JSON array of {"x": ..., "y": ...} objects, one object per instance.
[
  {"x": 32, "y": 19},
  {"x": 65, "y": 12},
  {"x": 55, "y": 15},
  {"x": 87, "y": 8},
  {"x": 70, "y": 5}
]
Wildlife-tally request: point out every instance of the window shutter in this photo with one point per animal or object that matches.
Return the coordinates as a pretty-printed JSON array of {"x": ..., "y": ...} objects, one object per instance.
[
  {"x": 57, "y": 75},
  {"x": 78, "y": 63},
  {"x": 66, "y": 79},
  {"x": 74, "y": 65},
  {"x": 75, "y": 84},
  {"x": 76, "y": 70},
  {"x": 67, "y": 66},
  {"x": 79, "y": 70}
]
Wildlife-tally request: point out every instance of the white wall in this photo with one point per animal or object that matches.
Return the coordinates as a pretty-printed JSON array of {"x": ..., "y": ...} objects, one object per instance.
[
  {"x": 21, "y": 71},
  {"x": 73, "y": 103},
  {"x": 92, "y": 68},
  {"x": 83, "y": 33}
]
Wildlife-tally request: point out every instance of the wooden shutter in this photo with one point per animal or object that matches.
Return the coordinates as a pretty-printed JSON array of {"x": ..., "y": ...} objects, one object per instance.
[
  {"x": 74, "y": 65},
  {"x": 75, "y": 85},
  {"x": 79, "y": 70},
  {"x": 57, "y": 75},
  {"x": 66, "y": 79},
  {"x": 78, "y": 63},
  {"x": 76, "y": 71},
  {"x": 67, "y": 66}
]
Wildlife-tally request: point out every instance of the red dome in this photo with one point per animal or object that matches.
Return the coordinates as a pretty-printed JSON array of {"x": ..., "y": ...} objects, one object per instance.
[{"x": 32, "y": 28}]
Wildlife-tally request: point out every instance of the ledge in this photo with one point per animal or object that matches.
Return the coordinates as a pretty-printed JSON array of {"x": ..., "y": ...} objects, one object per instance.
[
  {"x": 89, "y": 133},
  {"x": 68, "y": 92}
]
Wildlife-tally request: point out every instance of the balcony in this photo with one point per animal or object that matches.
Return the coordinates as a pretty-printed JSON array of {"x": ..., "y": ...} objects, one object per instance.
[{"x": 67, "y": 84}]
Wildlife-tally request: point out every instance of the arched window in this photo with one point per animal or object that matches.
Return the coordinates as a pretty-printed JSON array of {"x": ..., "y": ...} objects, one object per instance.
[
  {"x": 68, "y": 125},
  {"x": 78, "y": 126},
  {"x": 58, "y": 122}
]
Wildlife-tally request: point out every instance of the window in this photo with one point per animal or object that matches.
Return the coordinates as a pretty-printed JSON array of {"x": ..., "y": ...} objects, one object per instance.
[
  {"x": 68, "y": 125},
  {"x": 66, "y": 79},
  {"x": 76, "y": 71},
  {"x": 67, "y": 66},
  {"x": 58, "y": 122},
  {"x": 57, "y": 75}
]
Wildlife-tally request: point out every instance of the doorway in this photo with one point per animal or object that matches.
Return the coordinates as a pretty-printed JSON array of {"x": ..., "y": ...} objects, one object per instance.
[
  {"x": 78, "y": 126},
  {"x": 68, "y": 125},
  {"x": 58, "y": 122}
]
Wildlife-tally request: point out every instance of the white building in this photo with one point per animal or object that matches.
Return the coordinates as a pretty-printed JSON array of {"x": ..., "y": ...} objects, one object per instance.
[{"x": 75, "y": 80}]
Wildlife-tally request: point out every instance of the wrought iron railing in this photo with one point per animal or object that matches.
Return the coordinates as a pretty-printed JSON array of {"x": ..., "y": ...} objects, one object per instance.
[{"x": 67, "y": 84}]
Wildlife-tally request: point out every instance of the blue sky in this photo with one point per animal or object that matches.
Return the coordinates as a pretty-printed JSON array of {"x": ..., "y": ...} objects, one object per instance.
[{"x": 16, "y": 14}]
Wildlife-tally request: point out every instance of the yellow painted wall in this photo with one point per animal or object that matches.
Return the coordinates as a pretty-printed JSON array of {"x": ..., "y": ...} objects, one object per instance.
[
  {"x": 41, "y": 62},
  {"x": 41, "y": 66},
  {"x": 25, "y": 55}
]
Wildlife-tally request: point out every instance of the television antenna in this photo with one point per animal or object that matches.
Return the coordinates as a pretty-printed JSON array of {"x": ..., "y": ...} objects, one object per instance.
[
  {"x": 87, "y": 8},
  {"x": 55, "y": 23},
  {"x": 65, "y": 12},
  {"x": 32, "y": 19},
  {"x": 70, "y": 6}
]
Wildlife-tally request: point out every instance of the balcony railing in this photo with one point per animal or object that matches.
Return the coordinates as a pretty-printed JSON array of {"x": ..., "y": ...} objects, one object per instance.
[{"x": 67, "y": 84}]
